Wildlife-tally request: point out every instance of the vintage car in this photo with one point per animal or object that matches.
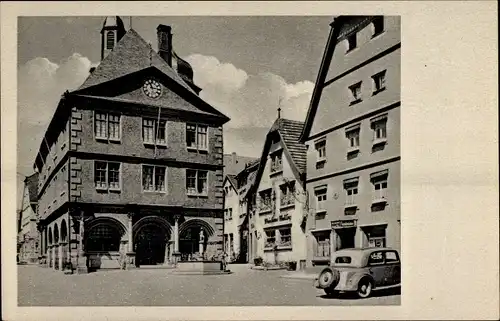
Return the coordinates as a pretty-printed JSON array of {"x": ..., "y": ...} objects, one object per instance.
[{"x": 361, "y": 271}]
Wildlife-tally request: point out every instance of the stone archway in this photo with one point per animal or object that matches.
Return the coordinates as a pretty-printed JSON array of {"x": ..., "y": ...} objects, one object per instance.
[
  {"x": 63, "y": 257},
  {"x": 151, "y": 237},
  {"x": 193, "y": 238}
]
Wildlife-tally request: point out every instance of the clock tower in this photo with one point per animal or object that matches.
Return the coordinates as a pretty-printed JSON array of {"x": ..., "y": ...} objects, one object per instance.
[{"x": 112, "y": 31}]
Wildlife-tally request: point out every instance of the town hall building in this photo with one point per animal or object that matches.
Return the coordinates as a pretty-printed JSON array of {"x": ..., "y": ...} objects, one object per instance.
[{"x": 131, "y": 165}]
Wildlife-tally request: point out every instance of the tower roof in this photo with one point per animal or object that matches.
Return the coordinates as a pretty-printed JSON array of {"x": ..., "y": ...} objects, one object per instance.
[{"x": 113, "y": 21}]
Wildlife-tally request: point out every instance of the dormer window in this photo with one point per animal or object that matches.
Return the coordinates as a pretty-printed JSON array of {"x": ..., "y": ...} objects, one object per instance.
[
  {"x": 110, "y": 40},
  {"x": 276, "y": 162},
  {"x": 352, "y": 42},
  {"x": 378, "y": 25}
]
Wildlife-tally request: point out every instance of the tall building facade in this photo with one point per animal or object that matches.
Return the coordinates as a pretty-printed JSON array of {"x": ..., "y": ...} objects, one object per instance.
[
  {"x": 236, "y": 209},
  {"x": 28, "y": 236},
  {"x": 131, "y": 165},
  {"x": 277, "y": 220},
  {"x": 352, "y": 131}
]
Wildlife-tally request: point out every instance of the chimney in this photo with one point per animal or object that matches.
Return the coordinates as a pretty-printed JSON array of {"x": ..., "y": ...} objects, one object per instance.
[
  {"x": 233, "y": 158},
  {"x": 165, "y": 43}
]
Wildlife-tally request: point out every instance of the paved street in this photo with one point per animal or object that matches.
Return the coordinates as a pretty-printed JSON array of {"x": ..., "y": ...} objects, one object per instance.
[{"x": 44, "y": 287}]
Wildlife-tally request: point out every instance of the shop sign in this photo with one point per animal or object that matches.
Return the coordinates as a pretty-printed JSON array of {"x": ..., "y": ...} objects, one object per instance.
[{"x": 343, "y": 223}]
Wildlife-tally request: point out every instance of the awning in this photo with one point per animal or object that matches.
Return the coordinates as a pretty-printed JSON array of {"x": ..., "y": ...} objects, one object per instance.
[
  {"x": 379, "y": 174},
  {"x": 378, "y": 118},
  {"x": 353, "y": 127},
  {"x": 320, "y": 188},
  {"x": 353, "y": 180}
]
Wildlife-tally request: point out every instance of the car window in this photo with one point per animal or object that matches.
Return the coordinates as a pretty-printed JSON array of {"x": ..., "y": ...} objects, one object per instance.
[
  {"x": 376, "y": 258},
  {"x": 343, "y": 260},
  {"x": 391, "y": 257}
]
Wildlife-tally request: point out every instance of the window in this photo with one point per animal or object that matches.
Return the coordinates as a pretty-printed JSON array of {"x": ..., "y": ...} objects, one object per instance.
[
  {"x": 355, "y": 93},
  {"x": 323, "y": 245},
  {"x": 197, "y": 137},
  {"x": 376, "y": 237},
  {"x": 107, "y": 175},
  {"x": 321, "y": 197},
  {"x": 351, "y": 42},
  {"x": 376, "y": 258},
  {"x": 378, "y": 82},
  {"x": 150, "y": 130},
  {"x": 196, "y": 182},
  {"x": 351, "y": 191},
  {"x": 265, "y": 200},
  {"x": 110, "y": 40},
  {"x": 287, "y": 194},
  {"x": 321, "y": 150},
  {"x": 343, "y": 260},
  {"x": 391, "y": 257},
  {"x": 353, "y": 137},
  {"x": 276, "y": 162},
  {"x": 378, "y": 25},
  {"x": 380, "y": 185},
  {"x": 103, "y": 237},
  {"x": 379, "y": 128},
  {"x": 107, "y": 126},
  {"x": 153, "y": 178},
  {"x": 270, "y": 238},
  {"x": 285, "y": 237}
]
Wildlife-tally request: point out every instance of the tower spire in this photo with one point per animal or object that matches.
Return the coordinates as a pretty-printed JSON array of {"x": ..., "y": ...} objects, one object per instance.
[{"x": 279, "y": 108}]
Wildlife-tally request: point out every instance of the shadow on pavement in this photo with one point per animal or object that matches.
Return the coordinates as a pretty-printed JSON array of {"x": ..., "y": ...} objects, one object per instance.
[{"x": 353, "y": 296}]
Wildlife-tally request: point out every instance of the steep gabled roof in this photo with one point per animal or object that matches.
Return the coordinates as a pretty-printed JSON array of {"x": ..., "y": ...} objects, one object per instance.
[
  {"x": 232, "y": 180},
  {"x": 320, "y": 80},
  {"x": 296, "y": 152},
  {"x": 130, "y": 54},
  {"x": 290, "y": 133}
]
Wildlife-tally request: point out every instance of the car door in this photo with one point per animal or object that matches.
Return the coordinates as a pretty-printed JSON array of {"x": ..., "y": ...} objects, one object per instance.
[
  {"x": 376, "y": 267},
  {"x": 393, "y": 268}
]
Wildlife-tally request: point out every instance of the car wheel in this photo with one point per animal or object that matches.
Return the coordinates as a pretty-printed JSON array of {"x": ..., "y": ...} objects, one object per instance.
[
  {"x": 365, "y": 287},
  {"x": 327, "y": 278}
]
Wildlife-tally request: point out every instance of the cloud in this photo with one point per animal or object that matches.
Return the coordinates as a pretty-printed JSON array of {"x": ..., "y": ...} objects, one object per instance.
[
  {"x": 41, "y": 83},
  {"x": 249, "y": 100},
  {"x": 225, "y": 76}
]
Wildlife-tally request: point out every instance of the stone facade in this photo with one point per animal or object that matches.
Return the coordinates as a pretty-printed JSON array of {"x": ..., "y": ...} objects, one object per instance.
[{"x": 114, "y": 199}]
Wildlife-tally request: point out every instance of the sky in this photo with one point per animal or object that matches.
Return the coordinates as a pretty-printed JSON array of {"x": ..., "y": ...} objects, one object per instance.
[{"x": 247, "y": 67}]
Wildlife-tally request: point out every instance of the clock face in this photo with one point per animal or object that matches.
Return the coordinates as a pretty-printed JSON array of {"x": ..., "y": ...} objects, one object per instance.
[{"x": 152, "y": 88}]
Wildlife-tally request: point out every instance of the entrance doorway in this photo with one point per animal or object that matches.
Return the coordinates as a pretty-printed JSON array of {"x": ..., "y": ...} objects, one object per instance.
[
  {"x": 345, "y": 238},
  {"x": 151, "y": 243}
]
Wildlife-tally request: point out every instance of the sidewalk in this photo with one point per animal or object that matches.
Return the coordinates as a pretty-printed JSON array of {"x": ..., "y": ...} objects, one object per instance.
[{"x": 308, "y": 274}]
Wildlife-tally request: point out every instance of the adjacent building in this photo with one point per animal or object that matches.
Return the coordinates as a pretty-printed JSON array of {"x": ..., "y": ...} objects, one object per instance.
[
  {"x": 236, "y": 209},
  {"x": 352, "y": 132},
  {"x": 131, "y": 165},
  {"x": 28, "y": 236},
  {"x": 277, "y": 229}
]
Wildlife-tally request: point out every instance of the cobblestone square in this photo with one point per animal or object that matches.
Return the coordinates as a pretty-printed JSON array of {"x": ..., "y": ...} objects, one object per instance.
[{"x": 39, "y": 286}]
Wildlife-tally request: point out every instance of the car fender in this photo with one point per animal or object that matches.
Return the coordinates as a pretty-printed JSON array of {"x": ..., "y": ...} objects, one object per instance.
[{"x": 358, "y": 276}]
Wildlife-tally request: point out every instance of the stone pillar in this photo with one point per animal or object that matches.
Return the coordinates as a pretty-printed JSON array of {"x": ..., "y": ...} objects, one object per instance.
[
  {"x": 53, "y": 254},
  {"x": 81, "y": 259},
  {"x": 130, "y": 256},
  {"x": 360, "y": 236},
  {"x": 176, "y": 253},
  {"x": 49, "y": 256},
  {"x": 333, "y": 244},
  {"x": 61, "y": 257}
]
